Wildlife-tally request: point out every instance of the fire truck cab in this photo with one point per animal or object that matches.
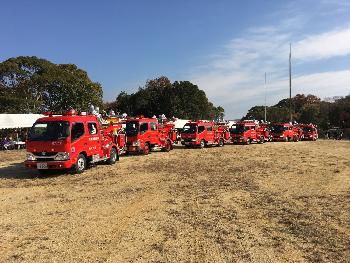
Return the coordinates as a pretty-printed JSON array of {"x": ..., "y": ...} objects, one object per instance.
[
  {"x": 203, "y": 133},
  {"x": 309, "y": 132},
  {"x": 246, "y": 132},
  {"x": 69, "y": 141},
  {"x": 284, "y": 132},
  {"x": 146, "y": 134}
]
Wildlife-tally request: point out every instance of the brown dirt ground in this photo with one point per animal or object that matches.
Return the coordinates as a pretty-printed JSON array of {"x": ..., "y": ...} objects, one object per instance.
[{"x": 277, "y": 202}]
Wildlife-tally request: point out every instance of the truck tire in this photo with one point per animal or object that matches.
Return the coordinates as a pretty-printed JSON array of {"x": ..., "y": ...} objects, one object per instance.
[
  {"x": 167, "y": 147},
  {"x": 247, "y": 142},
  {"x": 113, "y": 156},
  {"x": 80, "y": 165},
  {"x": 146, "y": 149},
  {"x": 286, "y": 139},
  {"x": 202, "y": 144},
  {"x": 221, "y": 143}
]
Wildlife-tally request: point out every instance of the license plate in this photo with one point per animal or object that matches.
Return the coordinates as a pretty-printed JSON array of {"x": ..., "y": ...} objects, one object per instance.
[{"x": 41, "y": 165}]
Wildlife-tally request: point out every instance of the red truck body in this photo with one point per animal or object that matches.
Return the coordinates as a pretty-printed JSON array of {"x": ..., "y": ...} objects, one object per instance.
[
  {"x": 264, "y": 130},
  {"x": 204, "y": 133},
  {"x": 309, "y": 132},
  {"x": 70, "y": 141},
  {"x": 247, "y": 132},
  {"x": 146, "y": 134},
  {"x": 285, "y": 132}
]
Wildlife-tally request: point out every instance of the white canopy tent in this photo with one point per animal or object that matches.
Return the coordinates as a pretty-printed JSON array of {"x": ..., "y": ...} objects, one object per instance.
[
  {"x": 179, "y": 123},
  {"x": 12, "y": 121}
]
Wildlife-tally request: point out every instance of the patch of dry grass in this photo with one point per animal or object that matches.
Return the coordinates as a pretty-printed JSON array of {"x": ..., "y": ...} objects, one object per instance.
[{"x": 277, "y": 202}]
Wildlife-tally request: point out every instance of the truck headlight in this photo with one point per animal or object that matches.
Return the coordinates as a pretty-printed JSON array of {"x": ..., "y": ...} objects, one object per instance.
[
  {"x": 30, "y": 157},
  {"x": 62, "y": 156},
  {"x": 136, "y": 143},
  {"x": 281, "y": 136},
  {"x": 194, "y": 140}
]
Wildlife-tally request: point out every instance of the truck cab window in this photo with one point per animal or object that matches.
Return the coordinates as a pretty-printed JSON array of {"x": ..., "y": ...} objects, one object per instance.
[
  {"x": 92, "y": 126},
  {"x": 143, "y": 127},
  {"x": 153, "y": 126},
  {"x": 201, "y": 129},
  {"x": 77, "y": 130},
  {"x": 210, "y": 128}
]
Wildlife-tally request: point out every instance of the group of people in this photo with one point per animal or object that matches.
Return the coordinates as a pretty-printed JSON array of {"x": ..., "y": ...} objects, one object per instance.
[{"x": 13, "y": 141}]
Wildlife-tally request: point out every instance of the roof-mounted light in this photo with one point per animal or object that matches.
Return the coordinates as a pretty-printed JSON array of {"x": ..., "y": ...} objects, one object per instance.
[{"x": 70, "y": 112}]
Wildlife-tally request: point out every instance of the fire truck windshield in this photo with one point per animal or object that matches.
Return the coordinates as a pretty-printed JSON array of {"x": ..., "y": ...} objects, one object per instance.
[
  {"x": 278, "y": 128},
  {"x": 132, "y": 128},
  {"x": 49, "y": 131},
  {"x": 238, "y": 129},
  {"x": 190, "y": 128}
]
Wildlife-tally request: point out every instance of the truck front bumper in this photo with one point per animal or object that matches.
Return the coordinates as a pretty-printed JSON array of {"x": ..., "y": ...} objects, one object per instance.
[
  {"x": 133, "y": 149},
  {"x": 190, "y": 143},
  {"x": 278, "y": 139},
  {"x": 50, "y": 165},
  {"x": 239, "y": 140}
]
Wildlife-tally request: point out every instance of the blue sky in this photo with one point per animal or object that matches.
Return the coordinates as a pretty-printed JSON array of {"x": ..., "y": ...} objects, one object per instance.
[{"x": 222, "y": 46}]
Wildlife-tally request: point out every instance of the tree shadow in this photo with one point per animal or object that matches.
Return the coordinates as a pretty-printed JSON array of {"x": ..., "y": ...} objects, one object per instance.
[{"x": 19, "y": 171}]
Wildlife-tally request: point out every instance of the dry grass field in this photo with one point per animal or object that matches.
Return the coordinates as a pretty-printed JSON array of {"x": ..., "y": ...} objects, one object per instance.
[{"x": 277, "y": 202}]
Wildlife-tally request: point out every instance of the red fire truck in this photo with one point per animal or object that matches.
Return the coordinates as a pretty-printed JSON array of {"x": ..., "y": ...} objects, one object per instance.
[
  {"x": 285, "y": 132},
  {"x": 146, "y": 134},
  {"x": 204, "y": 133},
  {"x": 246, "y": 132},
  {"x": 70, "y": 141},
  {"x": 264, "y": 130},
  {"x": 309, "y": 132}
]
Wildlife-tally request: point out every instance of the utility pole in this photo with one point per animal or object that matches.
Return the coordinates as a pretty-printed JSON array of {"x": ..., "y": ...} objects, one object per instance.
[
  {"x": 265, "y": 99},
  {"x": 290, "y": 82}
]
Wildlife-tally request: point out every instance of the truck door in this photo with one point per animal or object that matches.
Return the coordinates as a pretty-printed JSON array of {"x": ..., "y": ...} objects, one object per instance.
[
  {"x": 201, "y": 133},
  {"x": 79, "y": 142},
  {"x": 253, "y": 132},
  {"x": 210, "y": 134},
  {"x": 94, "y": 140},
  {"x": 145, "y": 135},
  {"x": 154, "y": 133}
]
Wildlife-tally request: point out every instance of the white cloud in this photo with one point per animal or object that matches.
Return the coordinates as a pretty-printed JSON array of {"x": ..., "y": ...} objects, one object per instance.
[
  {"x": 234, "y": 77},
  {"x": 322, "y": 46}
]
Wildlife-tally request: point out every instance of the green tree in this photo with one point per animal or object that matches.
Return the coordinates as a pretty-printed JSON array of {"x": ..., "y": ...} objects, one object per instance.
[
  {"x": 182, "y": 99},
  {"x": 31, "y": 84}
]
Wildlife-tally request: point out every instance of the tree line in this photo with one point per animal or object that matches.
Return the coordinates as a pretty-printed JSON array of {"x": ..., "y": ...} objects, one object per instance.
[
  {"x": 181, "y": 99},
  {"x": 307, "y": 109},
  {"x": 35, "y": 85}
]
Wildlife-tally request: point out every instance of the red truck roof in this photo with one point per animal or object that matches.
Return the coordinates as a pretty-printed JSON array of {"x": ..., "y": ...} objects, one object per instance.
[
  {"x": 68, "y": 118},
  {"x": 143, "y": 119}
]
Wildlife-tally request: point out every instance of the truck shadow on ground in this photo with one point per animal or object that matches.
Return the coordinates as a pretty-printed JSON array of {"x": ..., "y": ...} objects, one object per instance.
[{"x": 18, "y": 171}]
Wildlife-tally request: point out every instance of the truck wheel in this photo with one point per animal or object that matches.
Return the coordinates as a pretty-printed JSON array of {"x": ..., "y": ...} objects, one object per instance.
[
  {"x": 286, "y": 139},
  {"x": 80, "y": 165},
  {"x": 202, "y": 145},
  {"x": 221, "y": 143},
  {"x": 167, "y": 146},
  {"x": 247, "y": 142},
  {"x": 113, "y": 156},
  {"x": 146, "y": 149}
]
